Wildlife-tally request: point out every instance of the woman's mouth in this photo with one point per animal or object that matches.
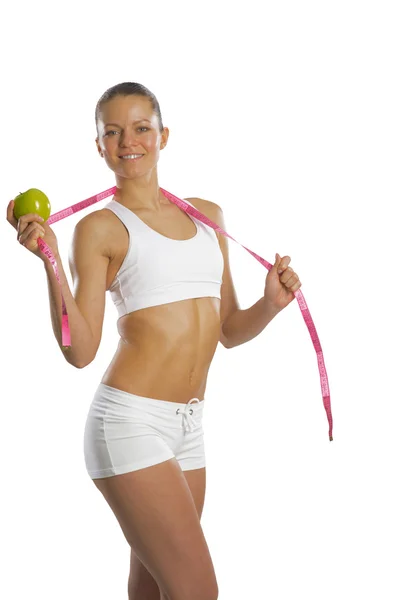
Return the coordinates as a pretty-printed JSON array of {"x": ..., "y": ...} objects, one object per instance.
[{"x": 131, "y": 156}]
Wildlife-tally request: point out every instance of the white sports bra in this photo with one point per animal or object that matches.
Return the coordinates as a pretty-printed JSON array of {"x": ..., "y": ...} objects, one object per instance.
[{"x": 159, "y": 270}]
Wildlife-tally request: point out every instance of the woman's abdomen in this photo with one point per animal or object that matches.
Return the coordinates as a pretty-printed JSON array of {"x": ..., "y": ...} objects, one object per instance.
[{"x": 165, "y": 351}]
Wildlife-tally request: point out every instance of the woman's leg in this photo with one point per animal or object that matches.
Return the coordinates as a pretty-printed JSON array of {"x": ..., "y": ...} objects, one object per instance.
[
  {"x": 158, "y": 516},
  {"x": 141, "y": 585}
]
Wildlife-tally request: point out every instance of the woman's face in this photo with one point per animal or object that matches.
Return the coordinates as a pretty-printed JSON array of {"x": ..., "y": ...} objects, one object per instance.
[{"x": 128, "y": 125}]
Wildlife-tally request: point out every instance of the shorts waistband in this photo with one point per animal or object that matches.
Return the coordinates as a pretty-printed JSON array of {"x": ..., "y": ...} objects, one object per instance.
[{"x": 190, "y": 411}]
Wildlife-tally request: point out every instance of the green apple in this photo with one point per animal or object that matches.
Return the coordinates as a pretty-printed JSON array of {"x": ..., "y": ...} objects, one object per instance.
[{"x": 32, "y": 201}]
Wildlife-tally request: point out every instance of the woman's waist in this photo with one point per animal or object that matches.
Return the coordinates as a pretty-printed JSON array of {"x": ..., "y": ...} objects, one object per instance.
[
  {"x": 118, "y": 409},
  {"x": 172, "y": 376}
]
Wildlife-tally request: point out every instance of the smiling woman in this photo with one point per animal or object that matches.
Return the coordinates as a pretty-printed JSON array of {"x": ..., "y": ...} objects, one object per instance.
[
  {"x": 164, "y": 272},
  {"x": 169, "y": 277}
]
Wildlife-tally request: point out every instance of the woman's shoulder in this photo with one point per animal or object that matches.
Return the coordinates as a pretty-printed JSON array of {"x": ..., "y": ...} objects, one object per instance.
[
  {"x": 101, "y": 225},
  {"x": 211, "y": 210},
  {"x": 101, "y": 220},
  {"x": 205, "y": 206}
]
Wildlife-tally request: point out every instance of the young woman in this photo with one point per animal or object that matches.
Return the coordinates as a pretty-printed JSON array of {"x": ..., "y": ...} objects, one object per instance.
[{"x": 169, "y": 277}]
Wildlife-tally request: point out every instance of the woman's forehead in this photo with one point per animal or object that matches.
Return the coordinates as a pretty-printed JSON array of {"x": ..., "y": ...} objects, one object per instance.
[
  {"x": 128, "y": 105},
  {"x": 127, "y": 110}
]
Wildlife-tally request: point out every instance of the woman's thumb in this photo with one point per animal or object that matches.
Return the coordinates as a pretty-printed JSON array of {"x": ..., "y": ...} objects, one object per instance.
[{"x": 277, "y": 260}]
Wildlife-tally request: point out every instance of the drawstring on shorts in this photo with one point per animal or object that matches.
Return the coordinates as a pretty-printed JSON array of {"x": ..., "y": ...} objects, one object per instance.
[{"x": 190, "y": 423}]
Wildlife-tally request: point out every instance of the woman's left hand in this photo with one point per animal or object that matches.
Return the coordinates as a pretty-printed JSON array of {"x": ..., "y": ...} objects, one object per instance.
[{"x": 280, "y": 283}]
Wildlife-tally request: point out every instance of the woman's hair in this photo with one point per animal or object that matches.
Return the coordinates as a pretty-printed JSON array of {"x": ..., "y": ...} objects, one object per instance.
[{"x": 129, "y": 89}]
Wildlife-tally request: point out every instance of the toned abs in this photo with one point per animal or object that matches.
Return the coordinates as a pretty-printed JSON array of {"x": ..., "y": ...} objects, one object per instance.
[{"x": 165, "y": 351}]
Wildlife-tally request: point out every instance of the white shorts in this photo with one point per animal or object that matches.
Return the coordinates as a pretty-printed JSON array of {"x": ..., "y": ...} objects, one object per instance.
[{"x": 125, "y": 432}]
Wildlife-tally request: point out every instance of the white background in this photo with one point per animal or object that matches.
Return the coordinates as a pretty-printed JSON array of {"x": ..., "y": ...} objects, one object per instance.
[{"x": 287, "y": 115}]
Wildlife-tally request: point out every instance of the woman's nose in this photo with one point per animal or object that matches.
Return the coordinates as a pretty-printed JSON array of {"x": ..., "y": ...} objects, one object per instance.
[{"x": 128, "y": 138}]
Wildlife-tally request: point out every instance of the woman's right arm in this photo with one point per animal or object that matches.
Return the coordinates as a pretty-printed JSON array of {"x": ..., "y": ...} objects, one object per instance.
[
  {"x": 88, "y": 263},
  {"x": 89, "y": 260}
]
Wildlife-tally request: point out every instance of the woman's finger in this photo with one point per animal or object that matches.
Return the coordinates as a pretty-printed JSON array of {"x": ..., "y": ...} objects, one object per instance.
[
  {"x": 31, "y": 228},
  {"x": 296, "y": 286},
  {"x": 291, "y": 282},
  {"x": 286, "y": 275},
  {"x": 284, "y": 263},
  {"x": 25, "y": 220},
  {"x": 10, "y": 214}
]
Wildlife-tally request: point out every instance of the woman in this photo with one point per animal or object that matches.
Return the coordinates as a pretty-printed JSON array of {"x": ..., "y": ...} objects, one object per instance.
[{"x": 169, "y": 277}]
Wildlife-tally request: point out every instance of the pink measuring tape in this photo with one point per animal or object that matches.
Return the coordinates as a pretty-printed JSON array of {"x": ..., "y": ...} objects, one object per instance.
[{"x": 66, "y": 337}]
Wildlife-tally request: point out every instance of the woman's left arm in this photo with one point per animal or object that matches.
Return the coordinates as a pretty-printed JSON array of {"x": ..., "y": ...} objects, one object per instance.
[
  {"x": 244, "y": 325},
  {"x": 237, "y": 325}
]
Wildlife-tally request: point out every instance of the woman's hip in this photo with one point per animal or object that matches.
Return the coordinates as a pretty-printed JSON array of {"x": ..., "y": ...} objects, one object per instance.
[{"x": 127, "y": 430}]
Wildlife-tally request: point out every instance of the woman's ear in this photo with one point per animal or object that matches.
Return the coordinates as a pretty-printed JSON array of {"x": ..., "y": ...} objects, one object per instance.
[
  {"x": 98, "y": 147},
  {"x": 164, "y": 137}
]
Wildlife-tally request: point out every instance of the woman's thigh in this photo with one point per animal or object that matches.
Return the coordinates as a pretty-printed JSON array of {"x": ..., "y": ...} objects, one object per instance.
[
  {"x": 141, "y": 584},
  {"x": 159, "y": 517}
]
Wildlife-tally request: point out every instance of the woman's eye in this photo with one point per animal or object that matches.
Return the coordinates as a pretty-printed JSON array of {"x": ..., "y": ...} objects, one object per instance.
[{"x": 114, "y": 131}]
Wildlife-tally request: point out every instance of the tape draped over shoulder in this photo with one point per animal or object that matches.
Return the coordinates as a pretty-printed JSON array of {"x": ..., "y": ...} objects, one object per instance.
[{"x": 193, "y": 212}]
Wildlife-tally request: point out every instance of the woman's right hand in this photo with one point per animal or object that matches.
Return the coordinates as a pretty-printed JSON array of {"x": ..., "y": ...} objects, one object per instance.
[{"x": 29, "y": 227}]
